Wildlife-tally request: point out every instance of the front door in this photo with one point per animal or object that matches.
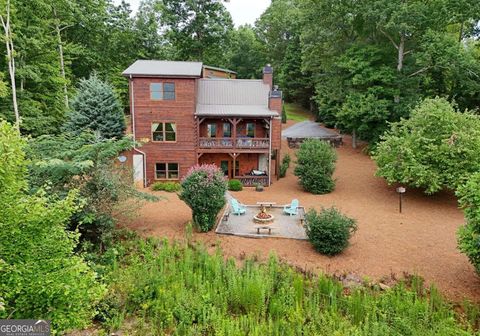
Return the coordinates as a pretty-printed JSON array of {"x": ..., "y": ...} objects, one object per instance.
[
  {"x": 138, "y": 168},
  {"x": 227, "y": 168}
]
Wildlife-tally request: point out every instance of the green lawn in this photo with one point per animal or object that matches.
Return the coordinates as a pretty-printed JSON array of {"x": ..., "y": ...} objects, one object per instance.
[{"x": 296, "y": 112}]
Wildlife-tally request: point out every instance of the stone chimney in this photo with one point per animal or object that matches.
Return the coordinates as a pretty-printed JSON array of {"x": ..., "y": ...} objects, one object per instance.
[{"x": 268, "y": 75}]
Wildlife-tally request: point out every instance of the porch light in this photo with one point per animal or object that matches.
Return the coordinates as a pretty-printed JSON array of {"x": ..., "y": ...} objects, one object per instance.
[{"x": 400, "y": 191}]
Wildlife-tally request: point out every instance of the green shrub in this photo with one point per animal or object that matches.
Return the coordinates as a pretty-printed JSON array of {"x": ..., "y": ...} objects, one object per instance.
[
  {"x": 283, "y": 170},
  {"x": 437, "y": 147},
  {"x": 284, "y": 115},
  {"x": 165, "y": 186},
  {"x": 284, "y": 166},
  {"x": 329, "y": 230},
  {"x": 235, "y": 185},
  {"x": 315, "y": 166},
  {"x": 469, "y": 234},
  {"x": 86, "y": 162},
  {"x": 203, "y": 189}
]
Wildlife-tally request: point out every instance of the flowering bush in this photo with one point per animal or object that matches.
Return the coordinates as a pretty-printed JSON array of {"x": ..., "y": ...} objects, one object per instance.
[{"x": 203, "y": 189}]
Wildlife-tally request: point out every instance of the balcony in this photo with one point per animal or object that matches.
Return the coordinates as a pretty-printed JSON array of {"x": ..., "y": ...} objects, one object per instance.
[
  {"x": 262, "y": 143},
  {"x": 239, "y": 143},
  {"x": 215, "y": 143}
]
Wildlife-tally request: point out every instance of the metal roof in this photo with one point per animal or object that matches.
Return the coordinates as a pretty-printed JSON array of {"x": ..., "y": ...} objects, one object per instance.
[
  {"x": 164, "y": 68},
  {"x": 234, "y": 111},
  {"x": 233, "y": 97}
]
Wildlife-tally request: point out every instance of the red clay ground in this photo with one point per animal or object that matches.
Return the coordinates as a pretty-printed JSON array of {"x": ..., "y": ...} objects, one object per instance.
[{"x": 420, "y": 241}]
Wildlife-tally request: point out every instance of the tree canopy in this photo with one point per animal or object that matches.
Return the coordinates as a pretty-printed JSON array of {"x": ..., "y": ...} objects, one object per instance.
[
  {"x": 437, "y": 147},
  {"x": 40, "y": 275},
  {"x": 95, "y": 108}
]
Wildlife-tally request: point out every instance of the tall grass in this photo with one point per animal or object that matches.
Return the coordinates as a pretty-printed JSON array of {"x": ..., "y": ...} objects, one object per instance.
[{"x": 181, "y": 289}]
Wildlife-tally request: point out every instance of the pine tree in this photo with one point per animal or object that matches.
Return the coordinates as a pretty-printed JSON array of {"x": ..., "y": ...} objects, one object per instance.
[{"x": 96, "y": 108}]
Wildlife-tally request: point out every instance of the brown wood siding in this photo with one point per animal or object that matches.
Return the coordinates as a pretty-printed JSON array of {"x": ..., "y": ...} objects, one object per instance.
[
  {"x": 209, "y": 73},
  {"x": 247, "y": 161},
  {"x": 260, "y": 131},
  {"x": 179, "y": 111}
]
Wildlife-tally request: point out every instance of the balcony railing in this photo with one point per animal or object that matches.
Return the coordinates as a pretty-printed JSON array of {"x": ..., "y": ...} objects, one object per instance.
[
  {"x": 241, "y": 143},
  {"x": 216, "y": 143},
  {"x": 252, "y": 181},
  {"x": 253, "y": 143}
]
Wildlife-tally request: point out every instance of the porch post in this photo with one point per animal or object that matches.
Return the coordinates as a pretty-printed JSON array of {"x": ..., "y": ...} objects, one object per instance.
[
  {"x": 234, "y": 133},
  {"x": 234, "y": 165},
  {"x": 270, "y": 153}
]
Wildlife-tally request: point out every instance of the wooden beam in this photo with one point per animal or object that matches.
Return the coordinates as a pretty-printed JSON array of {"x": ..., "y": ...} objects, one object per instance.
[{"x": 234, "y": 134}]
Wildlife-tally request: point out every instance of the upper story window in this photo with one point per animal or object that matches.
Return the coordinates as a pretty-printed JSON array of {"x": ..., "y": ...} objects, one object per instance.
[
  {"x": 251, "y": 130},
  {"x": 227, "y": 130},
  {"x": 162, "y": 91},
  {"x": 212, "y": 130},
  {"x": 164, "y": 132}
]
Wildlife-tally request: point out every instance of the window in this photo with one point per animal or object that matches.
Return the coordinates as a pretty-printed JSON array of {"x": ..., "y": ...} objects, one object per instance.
[
  {"x": 224, "y": 167},
  {"x": 169, "y": 91},
  {"x": 227, "y": 130},
  {"x": 166, "y": 171},
  {"x": 164, "y": 132},
  {"x": 251, "y": 130},
  {"x": 212, "y": 130},
  {"x": 162, "y": 91}
]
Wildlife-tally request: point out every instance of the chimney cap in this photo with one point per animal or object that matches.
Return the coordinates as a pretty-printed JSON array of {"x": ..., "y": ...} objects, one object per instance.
[
  {"x": 276, "y": 94},
  {"x": 268, "y": 69}
]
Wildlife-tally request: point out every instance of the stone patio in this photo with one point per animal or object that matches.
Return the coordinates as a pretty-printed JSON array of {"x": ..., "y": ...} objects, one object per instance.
[{"x": 283, "y": 226}]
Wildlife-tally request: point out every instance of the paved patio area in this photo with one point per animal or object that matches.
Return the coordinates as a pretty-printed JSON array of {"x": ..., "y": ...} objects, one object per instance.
[{"x": 283, "y": 226}]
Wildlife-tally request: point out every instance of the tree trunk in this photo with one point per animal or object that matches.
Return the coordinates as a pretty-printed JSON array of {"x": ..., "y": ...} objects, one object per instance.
[
  {"x": 401, "y": 53},
  {"x": 460, "y": 34},
  {"x": 11, "y": 61},
  {"x": 354, "y": 139},
  {"x": 62, "y": 62}
]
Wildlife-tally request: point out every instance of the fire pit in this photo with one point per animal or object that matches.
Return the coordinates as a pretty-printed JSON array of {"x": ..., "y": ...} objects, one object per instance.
[{"x": 263, "y": 217}]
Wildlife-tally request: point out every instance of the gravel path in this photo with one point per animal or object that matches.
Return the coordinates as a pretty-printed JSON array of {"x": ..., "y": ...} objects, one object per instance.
[{"x": 421, "y": 240}]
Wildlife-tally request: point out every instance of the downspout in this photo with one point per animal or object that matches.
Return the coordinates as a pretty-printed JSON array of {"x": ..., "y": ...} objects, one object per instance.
[
  {"x": 270, "y": 154},
  {"x": 132, "y": 112}
]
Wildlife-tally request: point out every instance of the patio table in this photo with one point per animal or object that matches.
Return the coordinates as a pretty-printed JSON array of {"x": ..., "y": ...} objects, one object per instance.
[{"x": 270, "y": 204}]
